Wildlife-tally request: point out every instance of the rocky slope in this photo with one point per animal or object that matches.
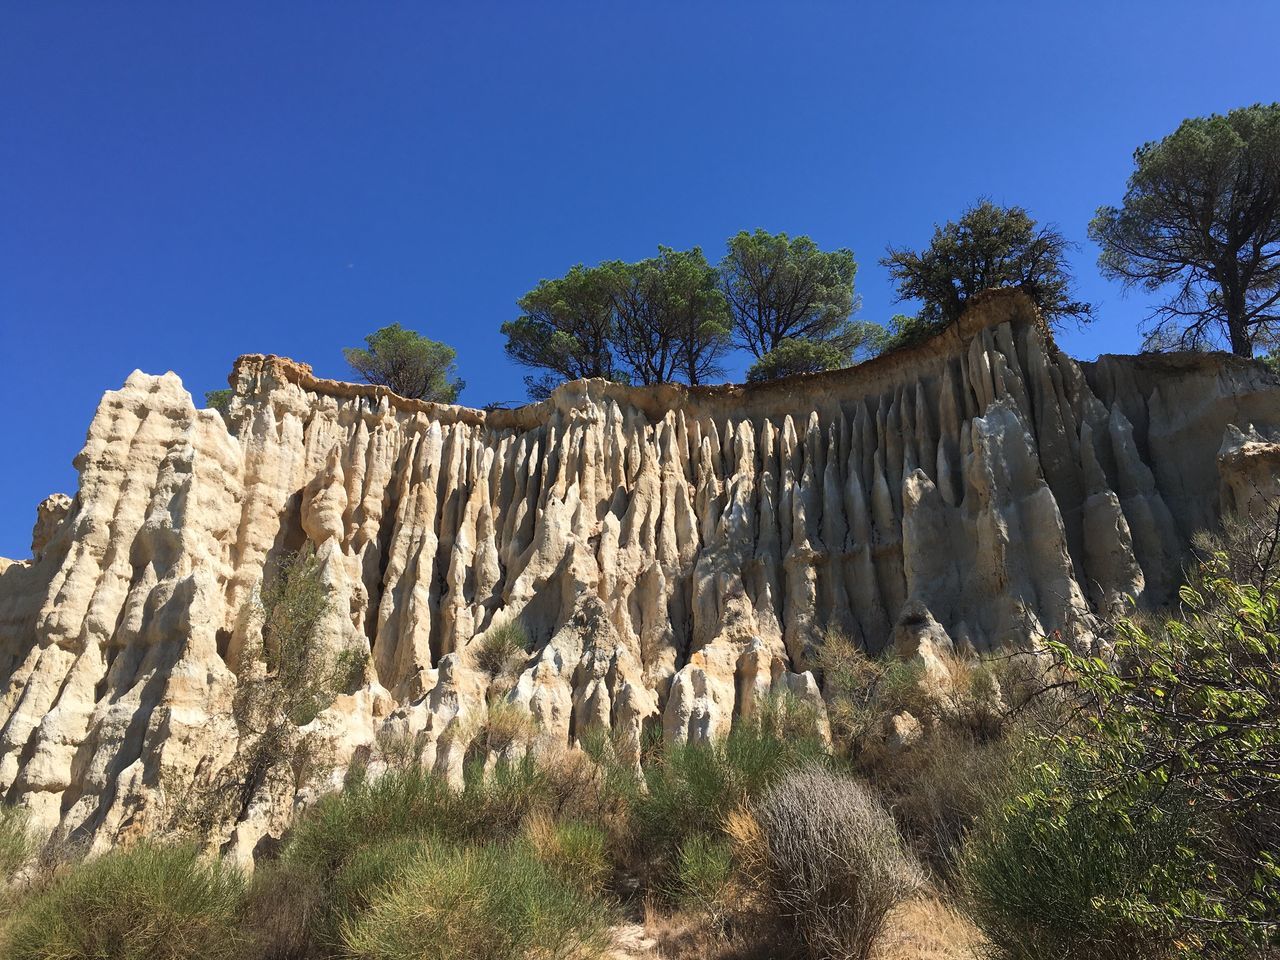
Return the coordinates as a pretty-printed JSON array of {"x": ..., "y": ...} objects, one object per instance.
[{"x": 673, "y": 553}]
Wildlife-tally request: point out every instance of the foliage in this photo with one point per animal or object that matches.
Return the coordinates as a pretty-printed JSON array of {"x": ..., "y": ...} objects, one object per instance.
[
  {"x": 1153, "y": 818},
  {"x": 303, "y": 677},
  {"x": 566, "y": 328},
  {"x": 849, "y": 682},
  {"x": 286, "y": 680},
  {"x": 505, "y": 725},
  {"x": 16, "y": 843},
  {"x": 782, "y": 288},
  {"x": 408, "y": 363},
  {"x": 690, "y": 788},
  {"x": 150, "y": 902},
  {"x": 219, "y": 400},
  {"x": 656, "y": 321},
  {"x": 989, "y": 246},
  {"x": 905, "y": 330},
  {"x": 1047, "y": 877},
  {"x": 1201, "y": 217},
  {"x": 834, "y": 862},
  {"x": 705, "y": 874},
  {"x": 671, "y": 322},
  {"x": 284, "y": 914},
  {"x": 808, "y": 356},
  {"x": 492, "y": 901},
  {"x": 575, "y": 851},
  {"x": 501, "y": 649}
]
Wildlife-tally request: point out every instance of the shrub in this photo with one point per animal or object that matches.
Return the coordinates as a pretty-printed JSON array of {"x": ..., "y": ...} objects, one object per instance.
[
  {"x": 504, "y": 726},
  {"x": 1149, "y": 829},
  {"x": 219, "y": 400},
  {"x": 940, "y": 787},
  {"x": 573, "y": 851},
  {"x": 148, "y": 903},
  {"x": 285, "y": 913},
  {"x": 849, "y": 682},
  {"x": 502, "y": 649},
  {"x": 353, "y": 842},
  {"x": 494, "y": 901},
  {"x": 285, "y": 681},
  {"x": 16, "y": 844},
  {"x": 691, "y": 788},
  {"x": 402, "y": 803},
  {"x": 704, "y": 874},
  {"x": 834, "y": 862},
  {"x": 1045, "y": 878}
]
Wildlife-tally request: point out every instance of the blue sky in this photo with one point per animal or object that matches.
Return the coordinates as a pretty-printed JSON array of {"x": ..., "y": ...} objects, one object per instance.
[{"x": 183, "y": 183}]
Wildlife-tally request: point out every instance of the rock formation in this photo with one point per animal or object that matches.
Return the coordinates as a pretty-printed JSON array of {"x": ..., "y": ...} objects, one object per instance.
[{"x": 673, "y": 553}]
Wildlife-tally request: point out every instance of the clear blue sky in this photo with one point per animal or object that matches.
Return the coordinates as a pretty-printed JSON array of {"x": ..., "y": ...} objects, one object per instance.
[{"x": 181, "y": 183}]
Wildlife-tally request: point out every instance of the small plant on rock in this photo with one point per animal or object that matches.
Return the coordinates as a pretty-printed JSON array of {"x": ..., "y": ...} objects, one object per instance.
[{"x": 501, "y": 650}]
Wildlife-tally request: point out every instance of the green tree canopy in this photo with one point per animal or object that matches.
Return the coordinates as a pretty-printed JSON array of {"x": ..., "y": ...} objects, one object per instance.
[
  {"x": 1201, "y": 217},
  {"x": 814, "y": 356},
  {"x": 989, "y": 246},
  {"x": 671, "y": 322},
  {"x": 219, "y": 400},
  {"x": 783, "y": 288},
  {"x": 565, "y": 329},
  {"x": 408, "y": 363}
]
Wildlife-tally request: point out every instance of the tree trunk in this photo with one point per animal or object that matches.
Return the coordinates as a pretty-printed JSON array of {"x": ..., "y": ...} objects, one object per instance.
[
  {"x": 1241, "y": 341},
  {"x": 1237, "y": 322}
]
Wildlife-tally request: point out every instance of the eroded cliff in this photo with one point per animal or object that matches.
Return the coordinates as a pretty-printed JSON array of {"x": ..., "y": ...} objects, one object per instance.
[{"x": 673, "y": 553}]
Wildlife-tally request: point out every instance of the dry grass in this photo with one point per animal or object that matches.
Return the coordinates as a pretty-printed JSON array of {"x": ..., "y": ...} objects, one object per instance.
[
  {"x": 504, "y": 726},
  {"x": 835, "y": 864},
  {"x": 925, "y": 928},
  {"x": 753, "y": 934}
]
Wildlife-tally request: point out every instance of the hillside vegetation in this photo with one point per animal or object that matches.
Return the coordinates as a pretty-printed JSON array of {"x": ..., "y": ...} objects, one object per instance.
[{"x": 1024, "y": 807}]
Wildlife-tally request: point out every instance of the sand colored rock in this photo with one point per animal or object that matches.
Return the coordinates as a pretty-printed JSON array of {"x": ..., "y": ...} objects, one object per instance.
[{"x": 674, "y": 554}]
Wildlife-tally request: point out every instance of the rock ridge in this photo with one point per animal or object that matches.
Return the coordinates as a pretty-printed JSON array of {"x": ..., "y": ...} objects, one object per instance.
[{"x": 673, "y": 553}]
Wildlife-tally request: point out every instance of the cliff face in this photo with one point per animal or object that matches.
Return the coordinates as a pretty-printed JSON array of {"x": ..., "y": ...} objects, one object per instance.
[{"x": 673, "y": 553}]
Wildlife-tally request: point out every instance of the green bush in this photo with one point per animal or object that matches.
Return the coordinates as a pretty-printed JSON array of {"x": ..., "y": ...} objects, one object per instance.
[
  {"x": 940, "y": 787},
  {"x": 1046, "y": 878},
  {"x": 352, "y": 843},
  {"x": 402, "y": 803},
  {"x": 497, "y": 902},
  {"x": 849, "y": 682},
  {"x": 1149, "y": 827},
  {"x": 150, "y": 902},
  {"x": 704, "y": 873},
  {"x": 574, "y": 851},
  {"x": 16, "y": 844},
  {"x": 285, "y": 913},
  {"x": 502, "y": 649},
  {"x": 691, "y": 788}
]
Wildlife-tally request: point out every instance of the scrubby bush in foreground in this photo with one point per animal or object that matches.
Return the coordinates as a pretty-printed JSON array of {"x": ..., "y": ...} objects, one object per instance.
[
  {"x": 150, "y": 902},
  {"x": 833, "y": 861},
  {"x": 690, "y": 788},
  {"x": 1149, "y": 829},
  {"x": 496, "y": 901}
]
